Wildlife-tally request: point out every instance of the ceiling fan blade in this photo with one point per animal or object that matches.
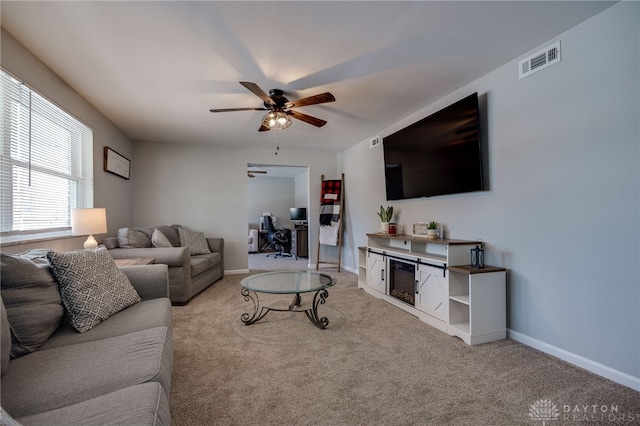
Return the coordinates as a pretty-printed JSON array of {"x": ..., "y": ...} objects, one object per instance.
[
  {"x": 256, "y": 90},
  {"x": 307, "y": 118},
  {"x": 237, "y": 109},
  {"x": 311, "y": 100},
  {"x": 263, "y": 128}
]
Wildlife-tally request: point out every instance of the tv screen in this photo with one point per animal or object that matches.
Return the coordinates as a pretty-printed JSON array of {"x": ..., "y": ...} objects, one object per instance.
[
  {"x": 298, "y": 214},
  {"x": 440, "y": 154}
]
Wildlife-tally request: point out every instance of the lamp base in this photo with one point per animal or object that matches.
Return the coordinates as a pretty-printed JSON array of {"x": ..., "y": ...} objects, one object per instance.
[{"x": 91, "y": 243}]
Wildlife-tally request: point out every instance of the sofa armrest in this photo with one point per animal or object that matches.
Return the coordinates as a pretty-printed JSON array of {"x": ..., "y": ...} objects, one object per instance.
[
  {"x": 171, "y": 256},
  {"x": 150, "y": 281},
  {"x": 216, "y": 245}
]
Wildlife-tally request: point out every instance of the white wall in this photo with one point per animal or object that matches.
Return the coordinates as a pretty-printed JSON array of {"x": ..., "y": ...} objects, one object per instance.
[
  {"x": 563, "y": 207},
  {"x": 275, "y": 195},
  {"x": 302, "y": 190},
  {"x": 205, "y": 188},
  {"x": 110, "y": 191}
]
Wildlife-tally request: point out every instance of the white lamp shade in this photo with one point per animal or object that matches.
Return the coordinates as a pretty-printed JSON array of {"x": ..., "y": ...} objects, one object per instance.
[{"x": 88, "y": 221}]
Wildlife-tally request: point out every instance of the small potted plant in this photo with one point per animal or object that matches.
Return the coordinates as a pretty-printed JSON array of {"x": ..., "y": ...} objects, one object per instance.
[
  {"x": 432, "y": 230},
  {"x": 385, "y": 218}
]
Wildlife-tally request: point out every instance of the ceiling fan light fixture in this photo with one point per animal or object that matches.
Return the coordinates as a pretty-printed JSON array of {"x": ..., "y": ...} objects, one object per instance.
[{"x": 276, "y": 120}]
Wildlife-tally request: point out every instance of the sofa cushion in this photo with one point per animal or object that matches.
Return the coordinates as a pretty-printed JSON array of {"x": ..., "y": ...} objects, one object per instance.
[
  {"x": 91, "y": 285},
  {"x": 199, "y": 264},
  {"x": 204, "y": 262},
  {"x": 5, "y": 337},
  {"x": 32, "y": 300},
  {"x": 144, "y": 404},
  {"x": 50, "y": 379},
  {"x": 134, "y": 238},
  {"x": 194, "y": 241},
  {"x": 158, "y": 239},
  {"x": 141, "y": 316}
]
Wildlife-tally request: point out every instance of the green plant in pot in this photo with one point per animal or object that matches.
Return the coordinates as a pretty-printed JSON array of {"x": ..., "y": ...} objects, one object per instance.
[
  {"x": 385, "y": 218},
  {"x": 432, "y": 230}
]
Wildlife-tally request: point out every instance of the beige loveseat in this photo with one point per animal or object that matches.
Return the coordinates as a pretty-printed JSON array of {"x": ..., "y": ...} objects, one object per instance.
[{"x": 194, "y": 262}]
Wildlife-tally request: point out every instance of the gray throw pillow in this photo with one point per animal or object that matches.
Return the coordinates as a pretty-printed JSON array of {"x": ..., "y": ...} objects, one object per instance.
[
  {"x": 5, "y": 338},
  {"x": 133, "y": 238},
  {"x": 194, "y": 241},
  {"x": 171, "y": 232},
  {"x": 110, "y": 242},
  {"x": 158, "y": 239},
  {"x": 31, "y": 298},
  {"x": 91, "y": 285}
]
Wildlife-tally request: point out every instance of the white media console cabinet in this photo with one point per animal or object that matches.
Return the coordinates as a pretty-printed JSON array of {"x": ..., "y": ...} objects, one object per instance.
[{"x": 432, "y": 279}]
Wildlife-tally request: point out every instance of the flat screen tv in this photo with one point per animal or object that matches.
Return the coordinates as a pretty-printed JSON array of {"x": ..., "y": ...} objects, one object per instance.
[
  {"x": 438, "y": 155},
  {"x": 298, "y": 214}
]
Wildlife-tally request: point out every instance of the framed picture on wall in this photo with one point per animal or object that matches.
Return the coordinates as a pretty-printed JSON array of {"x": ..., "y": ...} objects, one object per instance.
[{"x": 116, "y": 163}]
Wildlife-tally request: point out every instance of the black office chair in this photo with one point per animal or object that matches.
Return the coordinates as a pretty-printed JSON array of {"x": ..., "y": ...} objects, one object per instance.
[{"x": 278, "y": 239}]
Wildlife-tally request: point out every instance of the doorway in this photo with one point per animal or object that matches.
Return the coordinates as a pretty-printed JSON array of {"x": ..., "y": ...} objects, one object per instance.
[{"x": 275, "y": 190}]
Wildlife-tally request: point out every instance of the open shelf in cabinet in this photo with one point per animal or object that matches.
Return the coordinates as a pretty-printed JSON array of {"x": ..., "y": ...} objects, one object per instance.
[{"x": 477, "y": 303}]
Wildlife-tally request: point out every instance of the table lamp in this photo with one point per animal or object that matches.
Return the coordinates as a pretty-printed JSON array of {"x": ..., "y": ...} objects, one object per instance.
[{"x": 89, "y": 222}]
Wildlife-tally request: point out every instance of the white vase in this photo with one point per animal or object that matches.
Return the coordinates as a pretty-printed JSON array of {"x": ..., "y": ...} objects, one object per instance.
[
  {"x": 384, "y": 227},
  {"x": 432, "y": 234}
]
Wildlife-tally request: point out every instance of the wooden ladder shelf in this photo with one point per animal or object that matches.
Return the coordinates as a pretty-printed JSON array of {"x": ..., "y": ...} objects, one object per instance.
[{"x": 331, "y": 218}]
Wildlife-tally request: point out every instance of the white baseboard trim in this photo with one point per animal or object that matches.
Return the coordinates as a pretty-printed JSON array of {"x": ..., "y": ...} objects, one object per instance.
[
  {"x": 353, "y": 270},
  {"x": 577, "y": 360},
  {"x": 329, "y": 266}
]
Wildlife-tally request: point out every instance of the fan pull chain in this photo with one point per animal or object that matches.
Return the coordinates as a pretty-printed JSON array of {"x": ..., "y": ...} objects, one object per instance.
[{"x": 275, "y": 132}]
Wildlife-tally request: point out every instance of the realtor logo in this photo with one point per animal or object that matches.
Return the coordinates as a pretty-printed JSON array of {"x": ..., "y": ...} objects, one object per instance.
[{"x": 543, "y": 410}]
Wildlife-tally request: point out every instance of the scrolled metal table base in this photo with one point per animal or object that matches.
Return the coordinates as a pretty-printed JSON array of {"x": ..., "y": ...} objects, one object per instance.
[{"x": 259, "y": 312}]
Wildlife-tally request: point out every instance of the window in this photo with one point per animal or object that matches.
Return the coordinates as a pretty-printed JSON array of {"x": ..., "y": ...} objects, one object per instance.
[{"x": 46, "y": 164}]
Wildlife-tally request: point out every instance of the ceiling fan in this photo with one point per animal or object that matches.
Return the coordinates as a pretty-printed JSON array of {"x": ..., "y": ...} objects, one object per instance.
[
  {"x": 251, "y": 173},
  {"x": 280, "y": 108}
]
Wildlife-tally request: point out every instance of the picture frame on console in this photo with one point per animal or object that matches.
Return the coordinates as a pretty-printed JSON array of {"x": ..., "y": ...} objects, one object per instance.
[{"x": 419, "y": 229}]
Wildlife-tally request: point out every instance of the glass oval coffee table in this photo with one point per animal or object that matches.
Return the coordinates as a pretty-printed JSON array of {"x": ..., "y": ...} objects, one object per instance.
[{"x": 287, "y": 282}]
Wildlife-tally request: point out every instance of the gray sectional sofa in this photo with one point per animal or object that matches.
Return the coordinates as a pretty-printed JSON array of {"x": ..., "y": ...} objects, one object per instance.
[
  {"x": 118, "y": 372},
  {"x": 194, "y": 262}
]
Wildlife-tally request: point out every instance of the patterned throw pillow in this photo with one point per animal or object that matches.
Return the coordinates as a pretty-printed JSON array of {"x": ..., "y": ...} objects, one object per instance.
[
  {"x": 195, "y": 241},
  {"x": 91, "y": 285},
  {"x": 158, "y": 239}
]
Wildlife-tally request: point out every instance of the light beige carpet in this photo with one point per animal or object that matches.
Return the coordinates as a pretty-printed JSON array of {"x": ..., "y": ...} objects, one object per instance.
[
  {"x": 267, "y": 262},
  {"x": 373, "y": 365}
]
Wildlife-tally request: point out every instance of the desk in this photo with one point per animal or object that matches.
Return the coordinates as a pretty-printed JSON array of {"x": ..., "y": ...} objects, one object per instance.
[
  {"x": 287, "y": 282},
  {"x": 300, "y": 241}
]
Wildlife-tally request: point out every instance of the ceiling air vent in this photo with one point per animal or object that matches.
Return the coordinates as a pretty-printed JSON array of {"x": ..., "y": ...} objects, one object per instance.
[{"x": 540, "y": 60}]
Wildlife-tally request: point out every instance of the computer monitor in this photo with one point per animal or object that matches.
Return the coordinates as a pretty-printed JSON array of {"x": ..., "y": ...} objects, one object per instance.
[{"x": 298, "y": 215}]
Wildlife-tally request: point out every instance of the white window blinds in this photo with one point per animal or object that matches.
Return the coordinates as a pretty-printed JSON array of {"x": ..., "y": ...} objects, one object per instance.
[{"x": 46, "y": 162}]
